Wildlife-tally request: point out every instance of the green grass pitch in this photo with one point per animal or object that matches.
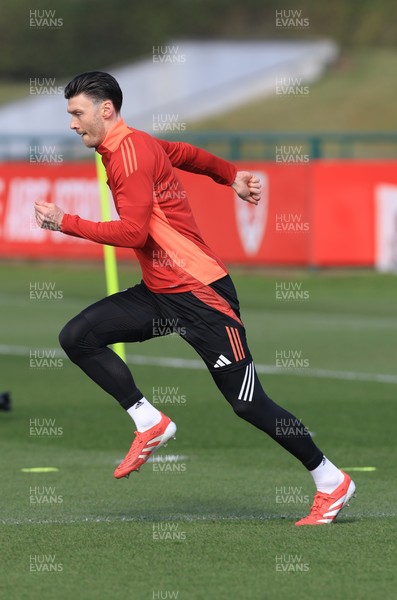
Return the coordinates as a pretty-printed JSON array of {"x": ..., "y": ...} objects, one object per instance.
[{"x": 216, "y": 519}]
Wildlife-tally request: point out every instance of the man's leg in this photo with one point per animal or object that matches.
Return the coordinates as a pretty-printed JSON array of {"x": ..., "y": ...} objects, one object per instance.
[
  {"x": 213, "y": 327},
  {"x": 122, "y": 317},
  {"x": 243, "y": 390},
  {"x": 127, "y": 316}
]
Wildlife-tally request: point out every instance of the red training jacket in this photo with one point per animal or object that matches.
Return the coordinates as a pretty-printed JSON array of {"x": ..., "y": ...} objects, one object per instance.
[{"x": 155, "y": 215}]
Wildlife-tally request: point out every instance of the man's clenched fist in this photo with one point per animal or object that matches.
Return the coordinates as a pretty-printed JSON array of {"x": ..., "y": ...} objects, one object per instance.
[
  {"x": 48, "y": 216},
  {"x": 247, "y": 186}
]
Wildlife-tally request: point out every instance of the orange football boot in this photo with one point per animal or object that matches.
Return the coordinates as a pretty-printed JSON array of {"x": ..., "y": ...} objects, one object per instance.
[
  {"x": 326, "y": 507},
  {"x": 145, "y": 444}
]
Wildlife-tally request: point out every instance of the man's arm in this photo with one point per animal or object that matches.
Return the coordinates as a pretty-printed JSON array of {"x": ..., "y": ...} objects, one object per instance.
[
  {"x": 130, "y": 231},
  {"x": 196, "y": 160}
]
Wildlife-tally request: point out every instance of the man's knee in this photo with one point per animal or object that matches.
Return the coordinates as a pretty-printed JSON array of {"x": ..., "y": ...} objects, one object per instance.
[
  {"x": 74, "y": 335},
  {"x": 244, "y": 393},
  {"x": 243, "y": 409}
]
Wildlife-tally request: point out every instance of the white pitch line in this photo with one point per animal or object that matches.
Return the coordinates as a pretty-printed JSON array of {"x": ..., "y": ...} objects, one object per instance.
[
  {"x": 195, "y": 364},
  {"x": 160, "y": 458},
  {"x": 181, "y": 518},
  {"x": 184, "y": 518},
  {"x": 167, "y": 458}
]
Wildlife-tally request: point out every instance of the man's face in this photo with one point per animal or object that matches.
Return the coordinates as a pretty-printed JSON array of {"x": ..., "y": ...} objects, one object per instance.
[{"x": 87, "y": 119}]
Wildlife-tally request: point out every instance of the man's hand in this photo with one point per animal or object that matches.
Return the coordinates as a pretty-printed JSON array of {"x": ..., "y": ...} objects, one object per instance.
[
  {"x": 247, "y": 186},
  {"x": 48, "y": 216}
]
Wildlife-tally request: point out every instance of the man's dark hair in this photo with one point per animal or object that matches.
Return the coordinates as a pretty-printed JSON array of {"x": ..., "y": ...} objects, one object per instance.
[{"x": 98, "y": 86}]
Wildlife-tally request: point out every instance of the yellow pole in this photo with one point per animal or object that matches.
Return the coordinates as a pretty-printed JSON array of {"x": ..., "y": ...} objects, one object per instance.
[{"x": 109, "y": 253}]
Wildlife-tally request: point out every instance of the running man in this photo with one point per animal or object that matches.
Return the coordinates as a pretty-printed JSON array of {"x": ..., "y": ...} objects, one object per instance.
[{"x": 155, "y": 219}]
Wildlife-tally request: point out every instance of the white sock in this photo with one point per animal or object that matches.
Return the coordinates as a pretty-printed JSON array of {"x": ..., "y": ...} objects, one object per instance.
[
  {"x": 144, "y": 415},
  {"x": 326, "y": 476}
]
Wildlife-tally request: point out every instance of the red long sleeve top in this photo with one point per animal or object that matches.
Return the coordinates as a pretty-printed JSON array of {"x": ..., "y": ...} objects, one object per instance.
[{"x": 155, "y": 216}]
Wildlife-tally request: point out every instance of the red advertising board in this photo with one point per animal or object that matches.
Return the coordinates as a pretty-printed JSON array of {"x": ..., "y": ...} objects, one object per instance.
[
  {"x": 344, "y": 210},
  {"x": 274, "y": 232},
  {"x": 323, "y": 213}
]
